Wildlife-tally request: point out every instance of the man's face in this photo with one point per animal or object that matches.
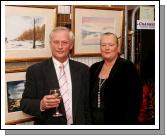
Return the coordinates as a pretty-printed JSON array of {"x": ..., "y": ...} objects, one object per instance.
[
  {"x": 61, "y": 45},
  {"x": 109, "y": 48}
]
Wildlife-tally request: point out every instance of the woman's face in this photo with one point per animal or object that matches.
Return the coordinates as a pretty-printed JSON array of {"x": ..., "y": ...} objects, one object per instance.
[{"x": 109, "y": 48}]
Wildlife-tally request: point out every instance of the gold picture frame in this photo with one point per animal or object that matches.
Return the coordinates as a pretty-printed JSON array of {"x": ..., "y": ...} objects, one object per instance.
[
  {"x": 88, "y": 22},
  {"x": 19, "y": 36}
]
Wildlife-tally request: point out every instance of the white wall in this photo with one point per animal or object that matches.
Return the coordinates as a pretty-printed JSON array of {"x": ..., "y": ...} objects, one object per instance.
[{"x": 88, "y": 60}]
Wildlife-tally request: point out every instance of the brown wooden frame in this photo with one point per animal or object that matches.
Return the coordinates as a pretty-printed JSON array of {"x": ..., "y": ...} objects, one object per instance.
[
  {"x": 115, "y": 8},
  {"x": 12, "y": 118},
  {"x": 32, "y": 59},
  {"x": 26, "y": 60},
  {"x": 14, "y": 122}
]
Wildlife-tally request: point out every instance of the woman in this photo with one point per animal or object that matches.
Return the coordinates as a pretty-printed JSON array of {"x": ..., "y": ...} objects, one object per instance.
[{"x": 115, "y": 89}]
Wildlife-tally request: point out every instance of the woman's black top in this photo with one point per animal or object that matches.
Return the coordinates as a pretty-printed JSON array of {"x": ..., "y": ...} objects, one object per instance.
[
  {"x": 121, "y": 94},
  {"x": 97, "y": 113}
]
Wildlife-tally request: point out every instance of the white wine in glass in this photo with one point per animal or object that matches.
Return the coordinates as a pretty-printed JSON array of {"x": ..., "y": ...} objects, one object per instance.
[{"x": 56, "y": 93}]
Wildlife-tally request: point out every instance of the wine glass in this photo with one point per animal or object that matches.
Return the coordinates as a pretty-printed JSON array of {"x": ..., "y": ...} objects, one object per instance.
[{"x": 56, "y": 93}]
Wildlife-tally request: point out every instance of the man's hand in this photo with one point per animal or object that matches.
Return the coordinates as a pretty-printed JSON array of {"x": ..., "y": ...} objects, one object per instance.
[{"x": 49, "y": 101}]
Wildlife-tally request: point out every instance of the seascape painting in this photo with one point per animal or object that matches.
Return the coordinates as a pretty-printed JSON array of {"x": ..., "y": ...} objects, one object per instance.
[
  {"x": 14, "y": 94},
  {"x": 90, "y": 23},
  {"x": 92, "y": 27},
  {"x": 24, "y": 32}
]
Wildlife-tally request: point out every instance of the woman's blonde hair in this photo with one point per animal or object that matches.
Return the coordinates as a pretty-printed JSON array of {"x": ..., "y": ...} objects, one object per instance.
[{"x": 109, "y": 34}]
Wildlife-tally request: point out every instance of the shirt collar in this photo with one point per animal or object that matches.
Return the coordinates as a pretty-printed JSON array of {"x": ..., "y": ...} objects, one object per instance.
[{"x": 57, "y": 63}]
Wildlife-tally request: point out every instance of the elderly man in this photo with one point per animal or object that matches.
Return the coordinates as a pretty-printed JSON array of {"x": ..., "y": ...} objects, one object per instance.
[{"x": 58, "y": 72}]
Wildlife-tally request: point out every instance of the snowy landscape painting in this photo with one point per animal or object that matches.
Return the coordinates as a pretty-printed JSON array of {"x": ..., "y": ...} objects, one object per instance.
[{"x": 24, "y": 32}]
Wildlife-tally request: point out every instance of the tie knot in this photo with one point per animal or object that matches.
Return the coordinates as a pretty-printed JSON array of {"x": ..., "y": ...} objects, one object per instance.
[{"x": 61, "y": 66}]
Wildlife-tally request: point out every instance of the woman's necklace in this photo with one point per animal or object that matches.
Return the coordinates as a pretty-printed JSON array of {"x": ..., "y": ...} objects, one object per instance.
[{"x": 99, "y": 91}]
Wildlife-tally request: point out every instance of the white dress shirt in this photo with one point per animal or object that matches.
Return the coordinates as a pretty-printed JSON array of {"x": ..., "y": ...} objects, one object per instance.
[{"x": 68, "y": 75}]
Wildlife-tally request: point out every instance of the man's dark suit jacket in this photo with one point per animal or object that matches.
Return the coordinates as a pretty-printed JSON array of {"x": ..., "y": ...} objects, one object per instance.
[
  {"x": 122, "y": 92},
  {"x": 41, "y": 77}
]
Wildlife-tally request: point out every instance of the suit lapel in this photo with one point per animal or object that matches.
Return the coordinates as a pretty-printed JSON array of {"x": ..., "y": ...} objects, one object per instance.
[
  {"x": 50, "y": 75},
  {"x": 75, "y": 87}
]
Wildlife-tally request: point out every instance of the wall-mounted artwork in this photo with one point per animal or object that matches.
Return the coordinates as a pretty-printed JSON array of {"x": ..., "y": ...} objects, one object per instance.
[
  {"x": 30, "y": 35},
  {"x": 89, "y": 23},
  {"x": 14, "y": 94},
  {"x": 15, "y": 84},
  {"x": 27, "y": 32},
  {"x": 92, "y": 27}
]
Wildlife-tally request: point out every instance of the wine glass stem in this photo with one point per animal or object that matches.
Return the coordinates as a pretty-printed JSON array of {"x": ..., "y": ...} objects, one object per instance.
[{"x": 57, "y": 111}]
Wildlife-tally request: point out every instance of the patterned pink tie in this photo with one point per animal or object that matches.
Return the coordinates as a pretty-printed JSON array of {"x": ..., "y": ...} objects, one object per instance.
[{"x": 65, "y": 94}]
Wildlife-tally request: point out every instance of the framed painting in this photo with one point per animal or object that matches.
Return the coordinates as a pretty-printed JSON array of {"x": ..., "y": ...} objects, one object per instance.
[
  {"x": 14, "y": 90},
  {"x": 89, "y": 23},
  {"x": 27, "y": 32}
]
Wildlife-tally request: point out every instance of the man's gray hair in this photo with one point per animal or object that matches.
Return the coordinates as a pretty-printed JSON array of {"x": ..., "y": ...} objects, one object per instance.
[{"x": 60, "y": 28}]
